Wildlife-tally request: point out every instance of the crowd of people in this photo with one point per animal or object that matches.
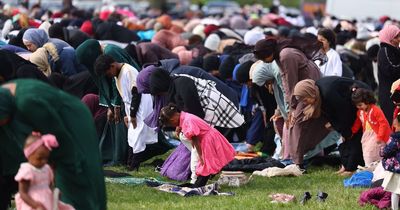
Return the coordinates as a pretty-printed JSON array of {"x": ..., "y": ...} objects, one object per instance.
[{"x": 75, "y": 81}]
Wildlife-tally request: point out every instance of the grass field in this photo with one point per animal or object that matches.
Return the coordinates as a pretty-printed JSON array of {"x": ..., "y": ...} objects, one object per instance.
[{"x": 253, "y": 195}]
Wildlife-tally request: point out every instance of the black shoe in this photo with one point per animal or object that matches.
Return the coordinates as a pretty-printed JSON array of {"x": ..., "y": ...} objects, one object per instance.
[
  {"x": 306, "y": 197},
  {"x": 321, "y": 196}
]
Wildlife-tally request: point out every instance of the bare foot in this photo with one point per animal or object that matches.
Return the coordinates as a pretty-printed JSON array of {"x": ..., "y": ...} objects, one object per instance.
[
  {"x": 347, "y": 173},
  {"x": 341, "y": 170}
]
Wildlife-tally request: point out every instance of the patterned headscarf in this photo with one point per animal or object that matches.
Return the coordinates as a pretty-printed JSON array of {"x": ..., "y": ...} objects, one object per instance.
[
  {"x": 308, "y": 88},
  {"x": 388, "y": 33}
]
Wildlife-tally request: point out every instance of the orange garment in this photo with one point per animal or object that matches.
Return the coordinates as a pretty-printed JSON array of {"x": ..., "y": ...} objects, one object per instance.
[{"x": 376, "y": 119}]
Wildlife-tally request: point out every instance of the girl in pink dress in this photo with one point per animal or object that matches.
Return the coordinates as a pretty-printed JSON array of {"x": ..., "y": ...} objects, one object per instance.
[
  {"x": 212, "y": 147},
  {"x": 35, "y": 177}
]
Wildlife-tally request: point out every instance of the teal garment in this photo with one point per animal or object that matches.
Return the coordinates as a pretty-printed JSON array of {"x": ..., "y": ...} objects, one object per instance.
[{"x": 42, "y": 108}]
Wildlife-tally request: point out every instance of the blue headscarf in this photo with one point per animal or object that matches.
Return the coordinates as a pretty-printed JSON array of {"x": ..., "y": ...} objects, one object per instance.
[
  {"x": 7, "y": 104},
  {"x": 36, "y": 36}
]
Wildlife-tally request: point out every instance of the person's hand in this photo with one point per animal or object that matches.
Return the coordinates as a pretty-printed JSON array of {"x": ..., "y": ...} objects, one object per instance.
[
  {"x": 178, "y": 131},
  {"x": 126, "y": 121},
  {"x": 110, "y": 115},
  {"x": 117, "y": 114},
  {"x": 329, "y": 126},
  {"x": 134, "y": 122}
]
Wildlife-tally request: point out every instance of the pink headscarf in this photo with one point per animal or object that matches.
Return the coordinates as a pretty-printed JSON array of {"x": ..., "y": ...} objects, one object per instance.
[
  {"x": 388, "y": 33},
  {"x": 185, "y": 56},
  {"x": 48, "y": 140}
]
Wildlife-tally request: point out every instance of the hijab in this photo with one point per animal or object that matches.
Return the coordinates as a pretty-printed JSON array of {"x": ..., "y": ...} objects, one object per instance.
[
  {"x": 7, "y": 104},
  {"x": 168, "y": 39},
  {"x": 88, "y": 52},
  {"x": 388, "y": 33},
  {"x": 160, "y": 82},
  {"x": 40, "y": 59},
  {"x": 308, "y": 88},
  {"x": 143, "y": 86},
  {"x": 35, "y": 36}
]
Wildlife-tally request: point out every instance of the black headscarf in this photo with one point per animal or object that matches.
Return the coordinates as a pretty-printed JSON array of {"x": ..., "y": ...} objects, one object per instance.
[
  {"x": 227, "y": 66},
  {"x": 242, "y": 74},
  {"x": 17, "y": 41},
  {"x": 160, "y": 82}
]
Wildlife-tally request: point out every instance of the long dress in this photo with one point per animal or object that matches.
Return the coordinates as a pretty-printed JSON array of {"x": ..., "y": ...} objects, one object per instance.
[
  {"x": 304, "y": 134},
  {"x": 141, "y": 135},
  {"x": 45, "y": 109},
  {"x": 39, "y": 187},
  {"x": 216, "y": 150}
]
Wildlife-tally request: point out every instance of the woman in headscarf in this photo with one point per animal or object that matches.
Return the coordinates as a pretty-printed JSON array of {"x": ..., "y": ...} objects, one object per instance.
[
  {"x": 87, "y": 53},
  {"x": 13, "y": 66},
  {"x": 295, "y": 64},
  {"x": 66, "y": 63},
  {"x": 331, "y": 98},
  {"x": 388, "y": 67},
  {"x": 114, "y": 32},
  {"x": 79, "y": 173}
]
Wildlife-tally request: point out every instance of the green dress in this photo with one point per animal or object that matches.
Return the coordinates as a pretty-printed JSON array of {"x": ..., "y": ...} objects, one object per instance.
[
  {"x": 77, "y": 160},
  {"x": 114, "y": 140}
]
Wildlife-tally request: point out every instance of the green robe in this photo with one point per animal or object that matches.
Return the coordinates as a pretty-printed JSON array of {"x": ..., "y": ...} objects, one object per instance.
[{"x": 42, "y": 108}]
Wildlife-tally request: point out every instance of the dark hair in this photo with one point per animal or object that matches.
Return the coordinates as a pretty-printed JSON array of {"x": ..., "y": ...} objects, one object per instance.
[
  {"x": 102, "y": 64},
  {"x": 362, "y": 95},
  {"x": 56, "y": 31},
  {"x": 160, "y": 81},
  {"x": 166, "y": 113},
  {"x": 329, "y": 35},
  {"x": 265, "y": 48}
]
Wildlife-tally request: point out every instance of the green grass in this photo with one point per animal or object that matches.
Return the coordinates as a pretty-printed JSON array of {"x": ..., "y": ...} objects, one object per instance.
[{"x": 253, "y": 195}]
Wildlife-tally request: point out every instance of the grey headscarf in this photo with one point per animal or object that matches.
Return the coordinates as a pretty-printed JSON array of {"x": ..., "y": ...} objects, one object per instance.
[{"x": 270, "y": 71}]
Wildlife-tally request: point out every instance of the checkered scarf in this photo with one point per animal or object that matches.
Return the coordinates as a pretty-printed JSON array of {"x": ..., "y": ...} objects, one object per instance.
[{"x": 219, "y": 110}]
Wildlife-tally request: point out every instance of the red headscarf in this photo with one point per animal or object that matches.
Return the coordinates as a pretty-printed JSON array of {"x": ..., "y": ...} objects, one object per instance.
[{"x": 87, "y": 27}]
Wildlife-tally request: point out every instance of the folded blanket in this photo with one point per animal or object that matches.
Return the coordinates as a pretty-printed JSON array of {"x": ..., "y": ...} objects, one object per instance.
[
  {"x": 290, "y": 170},
  {"x": 131, "y": 180}
]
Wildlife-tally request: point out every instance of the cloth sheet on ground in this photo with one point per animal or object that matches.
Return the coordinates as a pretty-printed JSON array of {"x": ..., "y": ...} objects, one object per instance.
[
  {"x": 375, "y": 196},
  {"x": 254, "y": 164},
  {"x": 359, "y": 179},
  {"x": 290, "y": 170},
  {"x": 211, "y": 189}
]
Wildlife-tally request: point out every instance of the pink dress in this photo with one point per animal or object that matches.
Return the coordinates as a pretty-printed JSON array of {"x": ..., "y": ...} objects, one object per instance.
[
  {"x": 216, "y": 150},
  {"x": 39, "y": 188}
]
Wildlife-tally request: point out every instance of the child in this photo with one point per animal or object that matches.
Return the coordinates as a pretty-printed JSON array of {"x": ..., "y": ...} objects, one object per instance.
[
  {"x": 376, "y": 129},
  {"x": 214, "y": 151},
  {"x": 35, "y": 178},
  {"x": 391, "y": 163}
]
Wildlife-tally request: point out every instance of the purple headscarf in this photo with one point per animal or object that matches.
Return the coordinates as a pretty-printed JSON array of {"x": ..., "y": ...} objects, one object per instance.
[{"x": 143, "y": 87}]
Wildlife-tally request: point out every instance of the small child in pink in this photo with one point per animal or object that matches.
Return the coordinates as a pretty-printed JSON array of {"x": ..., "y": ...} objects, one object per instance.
[
  {"x": 213, "y": 149},
  {"x": 35, "y": 177},
  {"x": 376, "y": 129}
]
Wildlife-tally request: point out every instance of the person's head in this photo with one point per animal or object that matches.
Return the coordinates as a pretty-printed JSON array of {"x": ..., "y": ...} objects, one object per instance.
[
  {"x": 211, "y": 64},
  {"x": 37, "y": 148},
  {"x": 242, "y": 73},
  {"x": 328, "y": 38},
  {"x": 362, "y": 98},
  {"x": 105, "y": 65},
  {"x": 264, "y": 49},
  {"x": 34, "y": 38},
  {"x": 396, "y": 123},
  {"x": 169, "y": 116},
  {"x": 56, "y": 31},
  {"x": 307, "y": 92},
  {"x": 7, "y": 106},
  {"x": 160, "y": 81},
  {"x": 390, "y": 34}
]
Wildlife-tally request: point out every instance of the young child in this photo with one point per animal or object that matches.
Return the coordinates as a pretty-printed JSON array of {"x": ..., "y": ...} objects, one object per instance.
[
  {"x": 35, "y": 177},
  {"x": 376, "y": 129},
  {"x": 213, "y": 149},
  {"x": 391, "y": 163}
]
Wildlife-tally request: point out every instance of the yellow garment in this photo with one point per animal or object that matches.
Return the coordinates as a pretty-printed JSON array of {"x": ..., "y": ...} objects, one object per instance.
[
  {"x": 367, "y": 126},
  {"x": 40, "y": 59}
]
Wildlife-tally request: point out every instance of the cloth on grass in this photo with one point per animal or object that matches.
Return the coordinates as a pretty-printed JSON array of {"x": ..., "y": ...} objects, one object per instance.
[
  {"x": 211, "y": 189},
  {"x": 375, "y": 196},
  {"x": 232, "y": 178},
  {"x": 360, "y": 179},
  {"x": 114, "y": 174},
  {"x": 177, "y": 165},
  {"x": 250, "y": 165},
  {"x": 290, "y": 170},
  {"x": 131, "y": 180},
  {"x": 282, "y": 198}
]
